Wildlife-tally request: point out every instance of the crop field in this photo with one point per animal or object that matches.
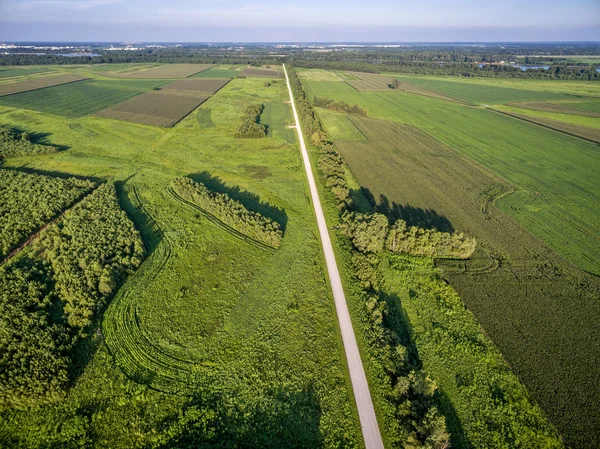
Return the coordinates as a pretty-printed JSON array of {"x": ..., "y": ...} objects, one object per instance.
[
  {"x": 154, "y": 108},
  {"x": 482, "y": 94},
  {"x": 455, "y": 168},
  {"x": 78, "y": 99},
  {"x": 204, "y": 85},
  {"x": 170, "y": 71},
  {"x": 219, "y": 72},
  {"x": 265, "y": 73},
  {"x": 10, "y": 72},
  {"x": 252, "y": 337},
  {"x": 591, "y": 133},
  {"x": 38, "y": 83},
  {"x": 318, "y": 75},
  {"x": 373, "y": 82},
  {"x": 560, "y": 108},
  {"x": 561, "y": 215}
]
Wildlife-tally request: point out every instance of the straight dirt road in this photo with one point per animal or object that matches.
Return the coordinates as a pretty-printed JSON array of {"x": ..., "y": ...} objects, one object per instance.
[{"x": 366, "y": 412}]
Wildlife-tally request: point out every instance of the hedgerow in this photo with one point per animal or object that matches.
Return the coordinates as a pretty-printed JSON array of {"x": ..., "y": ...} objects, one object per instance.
[
  {"x": 251, "y": 126},
  {"x": 230, "y": 212}
]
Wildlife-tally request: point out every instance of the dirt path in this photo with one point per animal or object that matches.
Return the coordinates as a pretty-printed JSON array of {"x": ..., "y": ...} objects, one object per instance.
[{"x": 366, "y": 412}]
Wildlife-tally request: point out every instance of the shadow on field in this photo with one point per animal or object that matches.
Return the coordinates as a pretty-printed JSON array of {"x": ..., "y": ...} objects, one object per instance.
[
  {"x": 39, "y": 138},
  {"x": 250, "y": 200},
  {"x": 272, "y": 419},
  {"x": 137, "y": 214},
  {"x": 399, "y": 323},
  {"x": 55, "y": 174},
  {"x": 414, "y": 216}
]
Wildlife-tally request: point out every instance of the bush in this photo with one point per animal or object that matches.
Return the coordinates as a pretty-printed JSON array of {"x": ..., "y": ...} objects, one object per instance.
[
  {"x": 339, "y": 106},
  {"x": 429, "y": 242}
]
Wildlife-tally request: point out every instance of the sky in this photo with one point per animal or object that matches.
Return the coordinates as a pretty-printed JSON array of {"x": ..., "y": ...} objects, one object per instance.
[{"x": 306, "y": 21}]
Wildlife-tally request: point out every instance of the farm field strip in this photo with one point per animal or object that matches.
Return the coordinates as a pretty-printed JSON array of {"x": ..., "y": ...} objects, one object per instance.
[
  {"x": 374, "y": 82},
  {"x": 480, "y": 93},
  {"x": 38, "y": 83},
  {"x": 207, "y": 86},
  {"x": 11, "y": 72},
  {"x": 561, "y": 108},
  {"x": 588, "y": 133},
  {"x": 262, "y": 73},
  {"x": 154, "y": 108},
  {"x": 218, "y": 72},
  {"x": 169, "y": 71}
]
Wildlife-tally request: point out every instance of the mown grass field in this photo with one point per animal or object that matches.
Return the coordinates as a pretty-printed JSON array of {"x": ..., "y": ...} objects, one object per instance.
[
  {"x": 78, "y": 99},
  {"x": 251, "y": 335},
  {"x": 558, "y": 108},
  {"x": 263, "y": 73},
  {"x": 449, "y": 170}
]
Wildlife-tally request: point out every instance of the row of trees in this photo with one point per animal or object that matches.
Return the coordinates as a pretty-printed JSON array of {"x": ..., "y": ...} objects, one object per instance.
[
  {"x": 330, "y": 161},
  {"x": 29, "y": 201},
  {"x": 371, "y": 233},
  {"x": 251, "y": 126},
  {"x": 14, "y": 143},
  {"x": 52, "y": 293},
  {"x": 231, "y": 212},
  {"x": 338, "y": 106},
  {"x": 410, "y": 390}
]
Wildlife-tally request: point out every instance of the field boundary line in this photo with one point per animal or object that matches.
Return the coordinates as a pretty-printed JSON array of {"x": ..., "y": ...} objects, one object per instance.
[
  {"x": 36, "y": 234},
  {"x": 222, "y": 225},
  {"x": 543, "y": 126},
  {"x": 358, "y": 378}
]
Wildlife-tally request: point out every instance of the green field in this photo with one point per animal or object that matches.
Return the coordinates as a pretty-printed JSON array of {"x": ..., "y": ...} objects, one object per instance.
[
  {"x": 81, "y": 98},
  {"x": 9, "y": 72},
  {"x": 338, "y": 125},
  {"x": 563, "y": 217},
  {"x": 514, "y": 282},
  {"x": 217, "y": 72},
  {"x": 251, "y": 338},
  {"x": 478, "y": 93}
]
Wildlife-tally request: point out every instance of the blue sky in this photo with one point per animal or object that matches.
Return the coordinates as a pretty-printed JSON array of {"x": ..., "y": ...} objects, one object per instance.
[{"x": 309, "y": 20}]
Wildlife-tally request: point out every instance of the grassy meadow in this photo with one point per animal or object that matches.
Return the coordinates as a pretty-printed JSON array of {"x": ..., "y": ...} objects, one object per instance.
[{"x": 251, "y": 338}]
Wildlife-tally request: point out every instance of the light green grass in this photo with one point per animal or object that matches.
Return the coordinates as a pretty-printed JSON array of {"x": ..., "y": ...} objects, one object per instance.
[
  {"x": 594, "y": 122},
  {"x": 338, "y": 126},
  {"x": 228, "y": 318},
  {"x": 217, "y": 72}
]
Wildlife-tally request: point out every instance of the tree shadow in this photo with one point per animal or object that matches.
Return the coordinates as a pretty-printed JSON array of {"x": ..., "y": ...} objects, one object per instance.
[
  {"x": 151, "y": 235},
  {"x": 250, "y": 200},
  {"x": 398, "y": 321},
  {"x": 55, "y": 174},
  {"x": 414, "y": 216},
  {"x": 274, "y": 419},
  {"x": 39, "y": 138}
]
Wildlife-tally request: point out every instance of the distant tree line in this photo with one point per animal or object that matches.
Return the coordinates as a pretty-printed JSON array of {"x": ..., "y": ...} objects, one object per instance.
[
  {"x": 29, "y": 201},
  {"x": 250, "y": 125},
  {"x": 231, "y": 212},
  {"x": 338, "y": 106},
  {"x": 14, "y": 143},
  {"x": 52, "y": 293}
]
